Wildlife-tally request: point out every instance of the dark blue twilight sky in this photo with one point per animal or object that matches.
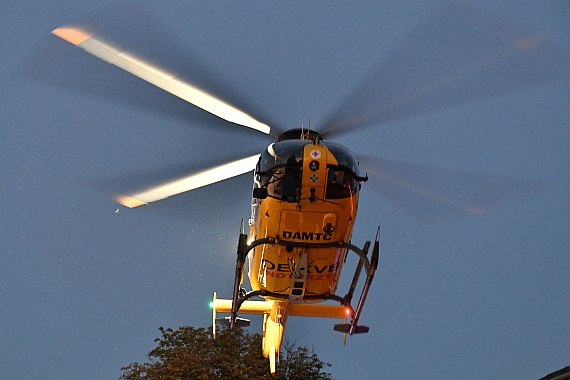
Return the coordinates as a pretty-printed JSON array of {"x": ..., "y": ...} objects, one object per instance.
[{"x": 83, "y": 289}]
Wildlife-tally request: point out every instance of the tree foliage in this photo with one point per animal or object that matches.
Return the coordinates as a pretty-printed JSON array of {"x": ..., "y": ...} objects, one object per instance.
[{"x": 193, "y": 353}]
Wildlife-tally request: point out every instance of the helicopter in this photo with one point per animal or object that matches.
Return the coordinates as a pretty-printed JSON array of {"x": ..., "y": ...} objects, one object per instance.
[{"x": 306, "y": 188}]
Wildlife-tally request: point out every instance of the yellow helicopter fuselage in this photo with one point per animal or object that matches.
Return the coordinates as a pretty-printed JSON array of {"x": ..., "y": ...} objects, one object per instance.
[{"x": 318, "y": 215}]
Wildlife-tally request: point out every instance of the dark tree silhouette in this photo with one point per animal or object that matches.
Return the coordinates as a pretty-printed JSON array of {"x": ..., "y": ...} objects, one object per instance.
[{"x": 193, "y": 353}]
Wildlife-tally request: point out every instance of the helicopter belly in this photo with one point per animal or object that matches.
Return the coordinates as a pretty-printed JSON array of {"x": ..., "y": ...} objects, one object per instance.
[
  {"x": 277, "y": 267},
  {"x": 278, "y": 273}
]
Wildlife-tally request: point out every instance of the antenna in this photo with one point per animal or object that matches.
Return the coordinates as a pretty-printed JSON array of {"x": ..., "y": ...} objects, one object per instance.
[{"x": 308, "y": 134}]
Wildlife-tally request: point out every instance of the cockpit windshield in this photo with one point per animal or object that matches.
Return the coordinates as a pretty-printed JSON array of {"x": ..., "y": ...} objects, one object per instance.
[{"x": 280, "y": 170}]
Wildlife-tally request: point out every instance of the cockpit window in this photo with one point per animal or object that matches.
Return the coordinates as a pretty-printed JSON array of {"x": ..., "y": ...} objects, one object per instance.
[
  {"x": 284, "y": 182},
  {"x": 280, "y": 169},
  {"x": 340, "y": 183}
]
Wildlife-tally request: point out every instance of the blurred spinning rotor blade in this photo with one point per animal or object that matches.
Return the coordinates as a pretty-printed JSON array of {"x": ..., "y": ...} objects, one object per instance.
[
  {"x": 435, "y": 195},
  {"x": 125, "y": 36},
  {"x": 458, "y": 56},
  {"x": 155, "y": 75},
  {"x": 191, "y": 182}
]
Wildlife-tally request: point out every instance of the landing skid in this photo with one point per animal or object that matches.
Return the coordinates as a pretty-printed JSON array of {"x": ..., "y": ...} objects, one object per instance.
[{"x": 279, "y": 306}]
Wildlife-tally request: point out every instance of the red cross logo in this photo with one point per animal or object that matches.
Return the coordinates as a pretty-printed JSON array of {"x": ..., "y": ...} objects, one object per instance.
[{"x": 315, "y": 154}]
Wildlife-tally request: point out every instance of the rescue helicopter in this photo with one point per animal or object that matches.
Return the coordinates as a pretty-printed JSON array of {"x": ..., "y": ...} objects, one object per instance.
[{"x": 306, "y": 188}]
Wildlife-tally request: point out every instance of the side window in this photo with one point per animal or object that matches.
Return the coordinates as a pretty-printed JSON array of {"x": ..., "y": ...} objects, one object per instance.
[
  {"x": 284, "y": 182},
  {"x": 273, "y": 182}
]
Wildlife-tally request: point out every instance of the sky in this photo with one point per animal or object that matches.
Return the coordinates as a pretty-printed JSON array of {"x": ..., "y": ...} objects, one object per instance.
[{"x": 85, "y": 283}]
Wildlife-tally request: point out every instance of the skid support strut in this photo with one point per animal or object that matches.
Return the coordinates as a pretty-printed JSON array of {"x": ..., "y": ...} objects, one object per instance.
[
  {"x": 233, "y": 321},
  {"x": 240, "y": 263},
  {"x": 353, "y": 327}
]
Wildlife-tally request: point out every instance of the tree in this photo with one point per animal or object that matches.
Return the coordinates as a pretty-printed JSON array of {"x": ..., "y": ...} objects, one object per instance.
[{"x": 193, "y": 353}]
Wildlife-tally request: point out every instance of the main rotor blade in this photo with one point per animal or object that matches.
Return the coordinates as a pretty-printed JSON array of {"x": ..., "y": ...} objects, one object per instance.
[
  {"x": 155, "y": 75},
  {"x": 191, "y": 182},
  {"x": 434, "y": 194},
  {"x": 458, "y": 56},
  {"x": 165, "y": 57}
]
